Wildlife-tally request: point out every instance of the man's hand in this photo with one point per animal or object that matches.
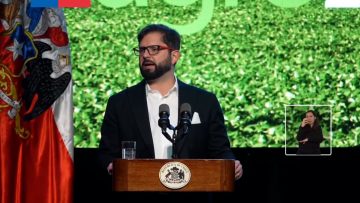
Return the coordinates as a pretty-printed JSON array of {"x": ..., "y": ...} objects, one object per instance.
[
  {"x": 238, "y": 170},
  {"x": 110, "y": 168}
]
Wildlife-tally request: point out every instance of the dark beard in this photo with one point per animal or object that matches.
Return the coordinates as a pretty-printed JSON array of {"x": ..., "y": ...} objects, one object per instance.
[{"x": 160, "y": 69}]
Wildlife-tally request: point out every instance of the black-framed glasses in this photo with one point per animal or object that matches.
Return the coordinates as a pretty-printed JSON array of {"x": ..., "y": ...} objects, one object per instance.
[{"x": 152, "y": 50}]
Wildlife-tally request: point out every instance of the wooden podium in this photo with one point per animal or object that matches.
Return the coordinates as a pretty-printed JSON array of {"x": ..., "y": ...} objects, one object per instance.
[{"x": 206, "y": 175}]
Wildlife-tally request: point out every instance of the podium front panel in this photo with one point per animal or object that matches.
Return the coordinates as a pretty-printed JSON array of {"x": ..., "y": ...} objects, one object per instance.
[{"x": 207, "y": 175}]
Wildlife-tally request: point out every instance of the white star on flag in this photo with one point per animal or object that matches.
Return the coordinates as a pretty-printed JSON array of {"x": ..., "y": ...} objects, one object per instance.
[{"x": 16, "y": 49}]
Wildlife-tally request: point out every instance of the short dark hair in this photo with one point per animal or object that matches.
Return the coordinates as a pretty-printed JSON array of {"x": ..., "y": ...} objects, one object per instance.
[{"x": 170, "y": 36}]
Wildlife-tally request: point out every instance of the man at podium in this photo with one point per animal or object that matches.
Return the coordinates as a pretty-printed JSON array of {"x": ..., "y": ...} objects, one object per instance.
[{"x": 133, "y": 114}]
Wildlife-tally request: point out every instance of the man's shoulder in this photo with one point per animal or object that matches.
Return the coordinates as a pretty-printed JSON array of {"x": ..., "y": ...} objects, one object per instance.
[{"x": 128, "y": 90}]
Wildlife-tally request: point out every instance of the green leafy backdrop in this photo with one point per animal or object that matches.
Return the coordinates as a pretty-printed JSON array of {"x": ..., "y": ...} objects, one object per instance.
[{"x": 256, "y": 57}]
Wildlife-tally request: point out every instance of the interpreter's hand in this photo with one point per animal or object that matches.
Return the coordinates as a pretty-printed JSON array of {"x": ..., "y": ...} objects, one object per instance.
[
  {"x": 110, "y": 168},
  {"x": 304, "y": 122},
  {"x": 238, "y": 170},
  {"x": 304, "y": 141}
]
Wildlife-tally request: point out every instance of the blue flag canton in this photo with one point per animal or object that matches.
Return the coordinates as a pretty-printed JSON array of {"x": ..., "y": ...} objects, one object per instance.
[{"x": 45, "y": 3}]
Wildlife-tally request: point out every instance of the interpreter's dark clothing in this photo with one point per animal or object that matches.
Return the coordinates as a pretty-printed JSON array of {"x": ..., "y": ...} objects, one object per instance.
[{"x": 315, "y": 137}]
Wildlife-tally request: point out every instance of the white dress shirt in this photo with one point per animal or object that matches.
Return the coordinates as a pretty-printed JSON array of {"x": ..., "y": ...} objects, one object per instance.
[{"x": 162, "y": 146}]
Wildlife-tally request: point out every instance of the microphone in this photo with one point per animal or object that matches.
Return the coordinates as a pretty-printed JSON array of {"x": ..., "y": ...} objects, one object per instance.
[
  {"x": 164, "y": 113},
  {"x": 185, "y": 117},
  {"x": 164, "y": 122}
]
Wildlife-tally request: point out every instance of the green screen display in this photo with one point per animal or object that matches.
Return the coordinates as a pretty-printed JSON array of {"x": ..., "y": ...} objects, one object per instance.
[{"x": 266, "y": 63}]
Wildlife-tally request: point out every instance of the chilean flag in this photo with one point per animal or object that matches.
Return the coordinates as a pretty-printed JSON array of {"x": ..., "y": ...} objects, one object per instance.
[
  {"x": 36, "y": 108},
  {"x": 61, "y": 3}
]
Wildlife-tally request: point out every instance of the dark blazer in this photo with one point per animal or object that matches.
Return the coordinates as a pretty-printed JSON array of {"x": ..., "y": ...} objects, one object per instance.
[{"x": 126, "y": 118}]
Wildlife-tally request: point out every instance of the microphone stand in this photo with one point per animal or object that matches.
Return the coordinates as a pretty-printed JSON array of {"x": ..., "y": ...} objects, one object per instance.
[
  {"x": 174, "y": 151},
  {"x": 172, "y": 139}
]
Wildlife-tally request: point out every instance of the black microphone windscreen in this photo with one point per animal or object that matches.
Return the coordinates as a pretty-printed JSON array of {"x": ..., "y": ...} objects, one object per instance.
[
  {"x": 185, "y": 107},
  {"x": 164, "y": 108}
]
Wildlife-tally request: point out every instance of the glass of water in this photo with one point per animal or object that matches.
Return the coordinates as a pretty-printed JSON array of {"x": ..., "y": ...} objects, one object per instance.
[{"x": 128, "y": 149}]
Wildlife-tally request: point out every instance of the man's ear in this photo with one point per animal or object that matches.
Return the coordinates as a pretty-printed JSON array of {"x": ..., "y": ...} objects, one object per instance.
[{"x": 175, "y": 56}]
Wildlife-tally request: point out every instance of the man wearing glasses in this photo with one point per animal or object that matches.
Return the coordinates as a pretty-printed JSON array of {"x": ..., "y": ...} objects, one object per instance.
[{"x": 133, "y": 114}]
